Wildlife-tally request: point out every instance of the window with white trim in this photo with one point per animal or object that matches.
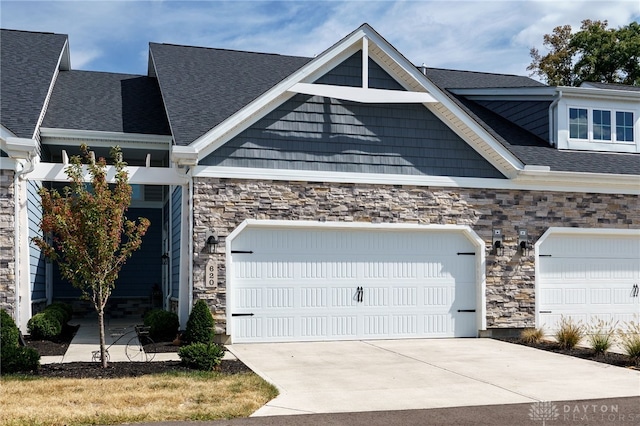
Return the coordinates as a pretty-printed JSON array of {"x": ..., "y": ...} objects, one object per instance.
[{"x": 601, "y": 125}]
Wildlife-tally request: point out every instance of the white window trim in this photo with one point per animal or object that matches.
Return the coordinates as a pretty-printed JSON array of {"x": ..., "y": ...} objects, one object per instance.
[
  {"x": 590, "y": 123},
  {"x": 590, "y": 144}
]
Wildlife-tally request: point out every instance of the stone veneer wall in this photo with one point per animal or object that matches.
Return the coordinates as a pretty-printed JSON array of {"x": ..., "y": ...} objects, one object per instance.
[
  {"x": 222, "y": 204},
  {"x": 7, "y": 241}
]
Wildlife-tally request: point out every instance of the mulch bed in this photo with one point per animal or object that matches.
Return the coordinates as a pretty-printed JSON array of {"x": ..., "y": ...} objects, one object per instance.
[
  {"x": 115, "y": 369},
  {"x": 611, "y": 358}
]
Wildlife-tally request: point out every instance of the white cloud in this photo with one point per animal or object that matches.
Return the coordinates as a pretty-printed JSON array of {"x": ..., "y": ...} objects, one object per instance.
[{"x": 492, "y": 36}]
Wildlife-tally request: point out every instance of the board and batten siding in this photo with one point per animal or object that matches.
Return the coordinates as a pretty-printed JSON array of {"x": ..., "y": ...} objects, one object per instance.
[
  {"x": 37, "y": 262},
  {"x": 176, "y": 224},
  {"x": 324, "y": 134}
]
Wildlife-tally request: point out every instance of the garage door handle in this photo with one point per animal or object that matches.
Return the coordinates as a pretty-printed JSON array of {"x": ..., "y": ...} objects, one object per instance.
[
  {"x": 242, "y": 315},
  {"x": 635, "y": 290},
  {"x": 545, "y": 312},
  {"x": 466, "y": 310}
]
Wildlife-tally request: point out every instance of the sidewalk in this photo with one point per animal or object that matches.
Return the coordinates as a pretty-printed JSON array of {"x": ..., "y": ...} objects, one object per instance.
[{"x": 87, "y": 340}]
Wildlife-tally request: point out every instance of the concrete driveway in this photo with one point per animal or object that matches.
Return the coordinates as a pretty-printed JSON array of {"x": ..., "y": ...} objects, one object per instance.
[{"x": 334, "y": 377}]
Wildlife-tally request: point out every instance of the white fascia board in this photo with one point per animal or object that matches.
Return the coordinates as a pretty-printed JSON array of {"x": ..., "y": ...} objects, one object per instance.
[
  {"x": 184, "y": 155},
  {"x": 96, "y": 138},
  {"x": 593, "y": 93},
  {"x": 518, "y": 93},
  {"x": 530, "y": 180},
  {"x": 55, "y": 172},
  {"x": 7, "y": 163},
  {"x": 362, "y": 95},
  {"x": 20, "y": 148}
]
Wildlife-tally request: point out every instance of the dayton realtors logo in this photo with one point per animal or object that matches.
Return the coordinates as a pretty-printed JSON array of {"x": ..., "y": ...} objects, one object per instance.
[
  {"x": 543, "y": 411},
  {"x": 546, "y": 411}
]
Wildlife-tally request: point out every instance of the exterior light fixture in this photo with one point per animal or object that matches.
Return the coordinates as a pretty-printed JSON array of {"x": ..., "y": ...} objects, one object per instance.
[
  {"x": 497, "y": 245},
  {"x": 212, "y": 242},
  {"x": 524, "y": 242},
  {"x": 165, "y": 258}
]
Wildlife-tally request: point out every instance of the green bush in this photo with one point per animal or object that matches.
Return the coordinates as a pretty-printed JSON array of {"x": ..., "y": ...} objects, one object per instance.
[
  {"x": 163, "y": 325},
  {"x": 200, "y": 326},
  {"x": 56, "y": 313},
  {"x": 9, "y": 333},
  {"x": 65, "y": 308},
  {"x": 201, "y": 356},
  {"x": 15, "y": 359},
  {"x": 44, "y": 325},
  {"x": 570, "y": 333}
]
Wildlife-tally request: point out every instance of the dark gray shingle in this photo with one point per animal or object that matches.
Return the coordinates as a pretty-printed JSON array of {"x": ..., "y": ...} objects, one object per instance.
[
  {"x": 202, "y": 87},
  {"x": 28, "y": 62},
  {"x": 89, "y": 100}
]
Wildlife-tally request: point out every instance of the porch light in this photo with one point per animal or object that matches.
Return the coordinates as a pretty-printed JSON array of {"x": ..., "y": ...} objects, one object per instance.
[
  {"x": 212, "y": 242},
  {"x": 165, "y": 258}
]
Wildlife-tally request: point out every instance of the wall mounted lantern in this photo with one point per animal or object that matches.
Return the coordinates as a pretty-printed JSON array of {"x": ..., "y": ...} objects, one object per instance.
[
  {"x": 524, "y": 242},
  {"x": 497, "y": 245},
  {"x": 212, "y": 242},
  {"x": 165, "y": 258}
]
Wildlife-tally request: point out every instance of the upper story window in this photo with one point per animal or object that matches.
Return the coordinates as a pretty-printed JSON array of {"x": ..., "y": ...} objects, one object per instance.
[{"x": 601, "y": 125}]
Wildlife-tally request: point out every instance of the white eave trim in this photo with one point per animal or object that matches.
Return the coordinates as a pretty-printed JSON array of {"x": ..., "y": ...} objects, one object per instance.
[
  {"x": 184, "y": 155},
  {"x": 20, "y": 148},
  {"x": 362, "y": 95},
  {"x": 526, "y": 180},
  {"x": 591, "y": 93},
  {"x": 94, "y": 138}
]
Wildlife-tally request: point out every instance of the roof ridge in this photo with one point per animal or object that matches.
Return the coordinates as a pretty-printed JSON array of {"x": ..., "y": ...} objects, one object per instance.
[
  {"x": 33, "y": 32},
  {"x": 230, "y": 50},
  {"x": 475, "y": 72}
]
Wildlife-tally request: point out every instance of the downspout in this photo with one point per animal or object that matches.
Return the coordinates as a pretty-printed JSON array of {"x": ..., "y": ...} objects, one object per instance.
[{"x": 553, "y": 133}]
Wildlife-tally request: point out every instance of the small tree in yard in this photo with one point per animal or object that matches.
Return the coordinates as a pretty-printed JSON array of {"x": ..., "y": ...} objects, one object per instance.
[{"x": 92, "y": 238}]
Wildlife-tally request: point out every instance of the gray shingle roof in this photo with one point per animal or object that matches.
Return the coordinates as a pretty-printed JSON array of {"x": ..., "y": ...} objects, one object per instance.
[
  {"x": 457, "y": 79},
  {"x": 202, "y": 87},
  {"x": 611, "y": 86},
  {"x": 28, "y": 62},
  {"x": 88, "y": 100},
  {"x": 527, "y": 147}
]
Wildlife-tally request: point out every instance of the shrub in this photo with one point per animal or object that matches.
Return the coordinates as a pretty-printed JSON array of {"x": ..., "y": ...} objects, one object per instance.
[
  {"x": 163, "y": 325},
  {"x": 44, "y": 326},
  {"x": 9, "y": 333},
  {"x": 630, "y": 340},
  {"x": 56, "y": 313},
  {"x": 532, "y": 335},
  {"x": 570, "y": 333},
  {"x": 14, "y": 359},
  {"x": 66, "y": 308},
  {"x": 201, "y": 356},
  {"x": 600, "y": 335},
  {"x": 200, "y": 326}
]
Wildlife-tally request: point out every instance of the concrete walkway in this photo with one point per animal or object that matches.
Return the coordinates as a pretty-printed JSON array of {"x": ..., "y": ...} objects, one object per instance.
[
  {"x": 87, "y": 340},
  {"x": 354, "y": 376}
]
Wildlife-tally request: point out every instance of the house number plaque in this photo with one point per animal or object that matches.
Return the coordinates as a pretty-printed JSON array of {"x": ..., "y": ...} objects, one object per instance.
[{"x": 212, "y": 274}]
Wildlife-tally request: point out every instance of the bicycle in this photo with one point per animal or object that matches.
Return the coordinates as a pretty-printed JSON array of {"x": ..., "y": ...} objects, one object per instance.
[{"x": 140, "y": 347}]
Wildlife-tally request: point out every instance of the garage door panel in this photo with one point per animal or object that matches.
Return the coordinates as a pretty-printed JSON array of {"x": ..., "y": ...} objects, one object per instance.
[
  {"x": 303, "y": 285},
  {"x": 588, "y": 277}
]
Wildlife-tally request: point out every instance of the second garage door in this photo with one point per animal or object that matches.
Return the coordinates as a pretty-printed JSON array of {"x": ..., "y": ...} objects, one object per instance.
[
  {"x": 306, "y": 284},
  {"x": 588, "y": 276}
]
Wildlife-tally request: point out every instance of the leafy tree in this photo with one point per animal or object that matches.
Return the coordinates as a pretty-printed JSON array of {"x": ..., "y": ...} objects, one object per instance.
[
  {"x": 556, "y": 66},
  {"x": 595, "y": 53},
  {"x": 92, "y": 238}
]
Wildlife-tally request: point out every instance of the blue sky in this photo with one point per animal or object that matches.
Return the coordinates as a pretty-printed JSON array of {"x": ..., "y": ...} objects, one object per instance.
[{"x": 491, "y": 36}]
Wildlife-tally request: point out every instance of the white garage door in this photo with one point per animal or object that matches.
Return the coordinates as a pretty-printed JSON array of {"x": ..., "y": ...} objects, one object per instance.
[
  {"x": 343, "y": 284},
  {"x": 587, "y": 276}
]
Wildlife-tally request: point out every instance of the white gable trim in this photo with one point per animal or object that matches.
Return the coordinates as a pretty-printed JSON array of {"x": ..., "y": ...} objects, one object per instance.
[
  {"x": 529, "y": 180},
  {"x": 362, "y": 95},
  {"x": 395, "y": 64}
]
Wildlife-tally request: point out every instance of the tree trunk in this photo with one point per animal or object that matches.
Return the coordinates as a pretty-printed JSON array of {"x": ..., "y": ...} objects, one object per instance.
[{"x": 103, "y": 346}]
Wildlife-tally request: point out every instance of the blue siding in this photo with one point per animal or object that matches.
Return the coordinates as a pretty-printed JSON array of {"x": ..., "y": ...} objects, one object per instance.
[
  {"x": 176, "y": 224},
  {"x": 530, "y": 115},
  {"x": 37, "y": 264},
  {"x": 141, "y": 272},
  {"x": 322, "y": 134}
]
